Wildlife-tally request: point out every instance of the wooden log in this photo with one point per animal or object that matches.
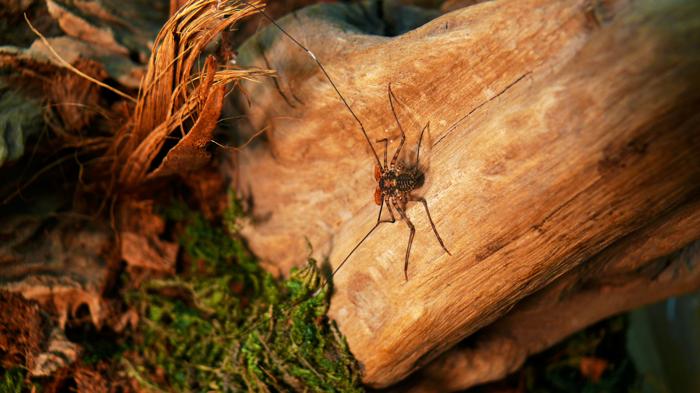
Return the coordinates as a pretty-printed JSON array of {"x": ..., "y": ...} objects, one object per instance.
[
  {"x": 642, "y": 268},
  {"x": 558, "y": 128}
]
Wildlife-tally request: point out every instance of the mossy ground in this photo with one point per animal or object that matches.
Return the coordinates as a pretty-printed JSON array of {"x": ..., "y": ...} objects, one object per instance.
[
  {"x": 12, "y": 381},
  {"x": 228, "y": 325}
]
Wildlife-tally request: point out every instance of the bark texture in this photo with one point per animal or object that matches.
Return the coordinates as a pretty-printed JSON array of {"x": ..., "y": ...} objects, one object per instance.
[{"x": 563, "y": 135}]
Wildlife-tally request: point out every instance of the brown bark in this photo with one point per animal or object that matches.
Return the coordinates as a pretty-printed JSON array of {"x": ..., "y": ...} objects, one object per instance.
[{"x": 558, "y": 129}]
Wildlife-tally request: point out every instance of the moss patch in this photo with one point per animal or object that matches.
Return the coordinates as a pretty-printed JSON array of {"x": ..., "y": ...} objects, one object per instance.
[
  {"x": 228, "y": 325},
  {"x": 12, "y": 380}
]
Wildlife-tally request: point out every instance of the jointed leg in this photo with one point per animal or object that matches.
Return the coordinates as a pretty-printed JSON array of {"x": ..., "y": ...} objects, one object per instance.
[
  {"x": 391, "y": 213},
  {"x": 386, "y": 147},
  {"x": 379, "y": 221},
  {"x": 286, "y": 99},
  {"x": 420, "y": 140},
  {"x": 403, "y": 215},
  {"x": 392, "y": 98},
  {"x": 432, "y": 224}
]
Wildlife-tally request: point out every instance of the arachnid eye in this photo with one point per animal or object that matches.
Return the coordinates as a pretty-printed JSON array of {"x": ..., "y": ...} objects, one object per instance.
[
  {"x": 378, "y": 196},
  {"x": 377, "y": 172}
]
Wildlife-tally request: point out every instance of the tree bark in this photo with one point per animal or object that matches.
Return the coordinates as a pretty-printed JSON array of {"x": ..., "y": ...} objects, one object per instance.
[{"x": 559, "y": 130}]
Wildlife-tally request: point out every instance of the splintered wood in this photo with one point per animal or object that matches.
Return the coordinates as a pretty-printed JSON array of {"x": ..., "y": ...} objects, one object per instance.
[{"x": 561, "y": 130}]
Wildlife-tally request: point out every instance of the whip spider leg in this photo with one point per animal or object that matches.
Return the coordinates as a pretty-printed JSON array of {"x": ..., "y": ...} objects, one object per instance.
[{"x": 396, "y": 180}]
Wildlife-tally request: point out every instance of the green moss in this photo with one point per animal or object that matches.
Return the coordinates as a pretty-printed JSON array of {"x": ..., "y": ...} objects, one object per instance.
[
  {"x": 228, "y": 325},
  {"x": 13, "y": 381}
]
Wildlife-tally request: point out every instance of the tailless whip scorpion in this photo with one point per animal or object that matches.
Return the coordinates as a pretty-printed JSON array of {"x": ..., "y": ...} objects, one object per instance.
[{"x": 396, "y": 179}]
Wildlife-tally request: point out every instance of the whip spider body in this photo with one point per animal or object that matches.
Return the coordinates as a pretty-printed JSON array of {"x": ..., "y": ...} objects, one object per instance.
[{"x": 396, "y": 179}]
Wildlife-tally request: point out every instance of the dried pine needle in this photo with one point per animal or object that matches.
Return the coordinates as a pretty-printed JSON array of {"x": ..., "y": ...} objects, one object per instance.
[{"x": 72, "y": 68}]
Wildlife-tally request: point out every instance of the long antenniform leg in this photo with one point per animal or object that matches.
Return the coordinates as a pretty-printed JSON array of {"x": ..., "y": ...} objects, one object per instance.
[
  {"x": 432, "y": 224},
  {"x": 259, "y": 9},
  {"x": 379, "y": 221},
  {"x": 422, "y": 200},
  {"x": 408, "y": 222}
]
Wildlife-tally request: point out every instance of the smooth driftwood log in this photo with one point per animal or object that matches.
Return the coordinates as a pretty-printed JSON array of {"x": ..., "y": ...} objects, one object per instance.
[
  {"x": 640, "y": 268},
  {"x": 559, "y": 128}
]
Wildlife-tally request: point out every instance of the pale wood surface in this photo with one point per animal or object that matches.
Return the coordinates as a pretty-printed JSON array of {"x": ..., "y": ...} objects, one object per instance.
[
  {"x": 641, "y": 268},
  {"x": 558, "y": 127}
]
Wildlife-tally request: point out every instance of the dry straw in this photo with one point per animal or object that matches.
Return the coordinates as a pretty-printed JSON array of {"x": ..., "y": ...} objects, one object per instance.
[{"x": 177, "y": 99}]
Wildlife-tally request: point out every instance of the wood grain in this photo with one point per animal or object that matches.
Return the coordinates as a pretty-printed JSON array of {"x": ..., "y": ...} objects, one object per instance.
[
  {"x": 558, "y": 127},
  {"x": 641, "y": 268}
]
